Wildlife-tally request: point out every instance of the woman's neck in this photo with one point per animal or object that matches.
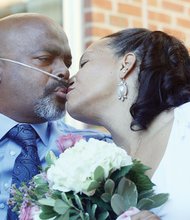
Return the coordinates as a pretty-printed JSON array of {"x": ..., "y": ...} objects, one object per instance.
[
  {"x": 132, "y": 141},
  {"x": 123, "y": 136}
]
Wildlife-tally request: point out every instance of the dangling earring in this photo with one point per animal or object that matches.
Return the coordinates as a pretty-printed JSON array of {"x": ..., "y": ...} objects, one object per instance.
[{"x": 122, "y": 90}]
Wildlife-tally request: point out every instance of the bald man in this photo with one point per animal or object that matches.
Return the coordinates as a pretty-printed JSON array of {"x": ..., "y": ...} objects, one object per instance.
[{"x": 34, "y": 72}]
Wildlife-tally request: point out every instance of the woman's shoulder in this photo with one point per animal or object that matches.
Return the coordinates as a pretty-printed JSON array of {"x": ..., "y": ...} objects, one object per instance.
[{"x": 182, "y": 113}]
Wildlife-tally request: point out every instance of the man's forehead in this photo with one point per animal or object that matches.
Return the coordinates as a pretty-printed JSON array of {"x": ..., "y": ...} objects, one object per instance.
[{"x": 55, "y": 49}]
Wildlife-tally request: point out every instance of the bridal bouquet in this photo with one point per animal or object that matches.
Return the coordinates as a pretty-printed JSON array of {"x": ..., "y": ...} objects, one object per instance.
[{"x": 93, "y": 180}]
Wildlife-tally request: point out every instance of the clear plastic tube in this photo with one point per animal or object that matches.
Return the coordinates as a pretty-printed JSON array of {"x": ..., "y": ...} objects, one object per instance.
[{"x": 32, "y": 67}]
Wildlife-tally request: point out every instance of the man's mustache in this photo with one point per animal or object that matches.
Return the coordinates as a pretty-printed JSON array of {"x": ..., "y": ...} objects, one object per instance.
[{"x": 51, "y": 88}]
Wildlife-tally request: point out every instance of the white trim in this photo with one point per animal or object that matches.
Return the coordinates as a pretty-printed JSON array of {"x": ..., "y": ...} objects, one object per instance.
[{"x": 73, "y": 27}]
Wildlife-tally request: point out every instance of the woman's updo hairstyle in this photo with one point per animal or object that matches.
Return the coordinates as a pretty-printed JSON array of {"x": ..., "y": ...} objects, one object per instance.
[{"x": 164, "y": 72}]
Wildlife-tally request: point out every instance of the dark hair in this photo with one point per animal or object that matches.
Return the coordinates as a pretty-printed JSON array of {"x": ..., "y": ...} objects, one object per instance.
[{"x": 164, "y": 72}]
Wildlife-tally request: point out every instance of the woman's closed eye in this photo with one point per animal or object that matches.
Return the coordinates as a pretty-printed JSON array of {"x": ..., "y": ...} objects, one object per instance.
[{"x": 83, "y": 63}]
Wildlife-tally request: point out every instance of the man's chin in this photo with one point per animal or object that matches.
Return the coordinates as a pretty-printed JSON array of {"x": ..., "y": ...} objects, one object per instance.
[
  {"x": 50, "y": 112},
  {"x": 48, "y": 117}
]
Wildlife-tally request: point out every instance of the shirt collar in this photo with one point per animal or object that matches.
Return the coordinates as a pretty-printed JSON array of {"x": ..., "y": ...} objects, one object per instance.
[
  {"x": 7, "y": 123},
  {"x": 42, "y": 131}
]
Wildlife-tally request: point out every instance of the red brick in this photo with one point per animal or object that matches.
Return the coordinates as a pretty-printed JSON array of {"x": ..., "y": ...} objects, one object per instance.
[
  {"x": 160, "y": 17},
  {"x": 98, "y": 17},
  {"x": 129, "y": 9},
  {"x": 152, "y": 27},
  {"x": 152, "y": 3},
  {"x": 183, "y": 22},
  {"x": 118, "y": 21},
  {"x": 137, "y": 22},
  {"x": 100, "y": 32},
  {"x": 173, "y": 6},
  {"x": 88, "y": 17},
  {"x": 94, "y": 17},
  {"x": 174, "y": 32},
  {"x": 88, "y": 31},
  {"x": 97, "y": 31},
  {"x": 106, "y": 4}
]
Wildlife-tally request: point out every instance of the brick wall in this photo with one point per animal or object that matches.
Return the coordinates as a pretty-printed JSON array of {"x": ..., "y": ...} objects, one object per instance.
[{"x": 103, "y": 17}]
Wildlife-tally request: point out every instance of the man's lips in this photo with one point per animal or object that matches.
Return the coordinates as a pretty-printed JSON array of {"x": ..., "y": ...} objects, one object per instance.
[{"x": 61, "y": 92}]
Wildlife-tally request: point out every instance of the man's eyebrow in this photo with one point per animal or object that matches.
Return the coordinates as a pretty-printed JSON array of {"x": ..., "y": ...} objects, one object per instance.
[
  {"x": 52, "y": 50},
  {"x": 55, "y": 50}
]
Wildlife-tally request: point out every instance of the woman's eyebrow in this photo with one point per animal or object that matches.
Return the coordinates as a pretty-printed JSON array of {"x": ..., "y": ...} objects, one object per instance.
[{"x": 85, "y": 55}]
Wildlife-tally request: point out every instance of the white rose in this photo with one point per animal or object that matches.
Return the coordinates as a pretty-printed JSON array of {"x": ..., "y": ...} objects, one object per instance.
[{"x": 74, "y": 170}]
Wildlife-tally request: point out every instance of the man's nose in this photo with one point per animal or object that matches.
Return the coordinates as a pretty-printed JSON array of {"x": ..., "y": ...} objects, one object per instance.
[{"x": 61, "y": 71}]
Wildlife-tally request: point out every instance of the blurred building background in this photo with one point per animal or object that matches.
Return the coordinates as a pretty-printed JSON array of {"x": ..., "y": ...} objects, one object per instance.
[{"x": 85, "y": 21}]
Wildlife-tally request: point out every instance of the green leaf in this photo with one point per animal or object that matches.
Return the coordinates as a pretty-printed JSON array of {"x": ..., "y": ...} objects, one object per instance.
[
  {"x": 41, "y": 189},
  {"x": 106, "y": 197},
  {"x": 145, "y": 204},
  {"x": 103, "y": 215},
  {"x": 61, "y": 207},
  {"x": 93, "y": 186},
  {"x": 91, "y": 209},
  {"x": 47, "y": 212},
  {"x": 78, "y": 202},
  {"x": 46, "y": 215},
  {"x": 128, "y": 191},
  {"x": 99, "y": 202},
  {"x": 39, "y": 180},
  {"x": 146, "y": 194},
  {"x": 153, "y": 201},
  {"x": 47, "y": 202},
  {"x": 99, "y": 174},
  {"x": 83, "y": 215},
  {"x": 65, "y": 199},
  {"x": 159, "y": 199},
  {"x": 50, "y": 158},
  {"x": 118, "y": 204},
  {"x": 74, "y": 217},
  {"x": 94, "y": 207},
  {"x": 138, "y": 176},
  {"x": 64, "y": 217},
  {"x": 109, "y": 186},
  {"x": 116, "y": 175}
]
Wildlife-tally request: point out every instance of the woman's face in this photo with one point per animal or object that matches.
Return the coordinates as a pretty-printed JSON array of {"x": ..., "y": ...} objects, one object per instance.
[{"x": 95, "y": 85}]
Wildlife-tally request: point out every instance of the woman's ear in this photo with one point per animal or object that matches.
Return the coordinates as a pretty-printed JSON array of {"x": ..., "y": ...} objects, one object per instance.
[{"x": 128, "y": 63}]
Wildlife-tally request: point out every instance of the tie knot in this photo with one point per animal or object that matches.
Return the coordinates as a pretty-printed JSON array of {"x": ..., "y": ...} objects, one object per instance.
[{"x": 23, "y": 134}]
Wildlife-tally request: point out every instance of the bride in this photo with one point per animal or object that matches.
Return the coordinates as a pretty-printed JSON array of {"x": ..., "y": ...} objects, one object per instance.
[{"x": 136, "y": 83}]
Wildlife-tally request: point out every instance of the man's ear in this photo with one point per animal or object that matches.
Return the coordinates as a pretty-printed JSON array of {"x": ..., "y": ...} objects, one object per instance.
[{"x": 128, "y": 63}]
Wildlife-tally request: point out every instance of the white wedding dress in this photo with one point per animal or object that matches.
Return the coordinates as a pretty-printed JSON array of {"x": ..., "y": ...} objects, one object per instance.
[{"x": 173, "y": 173}]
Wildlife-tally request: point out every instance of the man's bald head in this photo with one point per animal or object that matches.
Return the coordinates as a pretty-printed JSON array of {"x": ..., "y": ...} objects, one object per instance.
[
  {"x": 20, "y": 20},
  {"x": 17, "y": 30}
]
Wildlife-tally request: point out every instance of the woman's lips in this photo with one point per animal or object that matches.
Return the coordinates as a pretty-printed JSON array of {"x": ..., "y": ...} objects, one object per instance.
[{"x": 69, "y": 89}]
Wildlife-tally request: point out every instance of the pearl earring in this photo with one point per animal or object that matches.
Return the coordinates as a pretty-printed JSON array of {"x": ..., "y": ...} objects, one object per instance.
[{"x": 122, "y": 90}]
